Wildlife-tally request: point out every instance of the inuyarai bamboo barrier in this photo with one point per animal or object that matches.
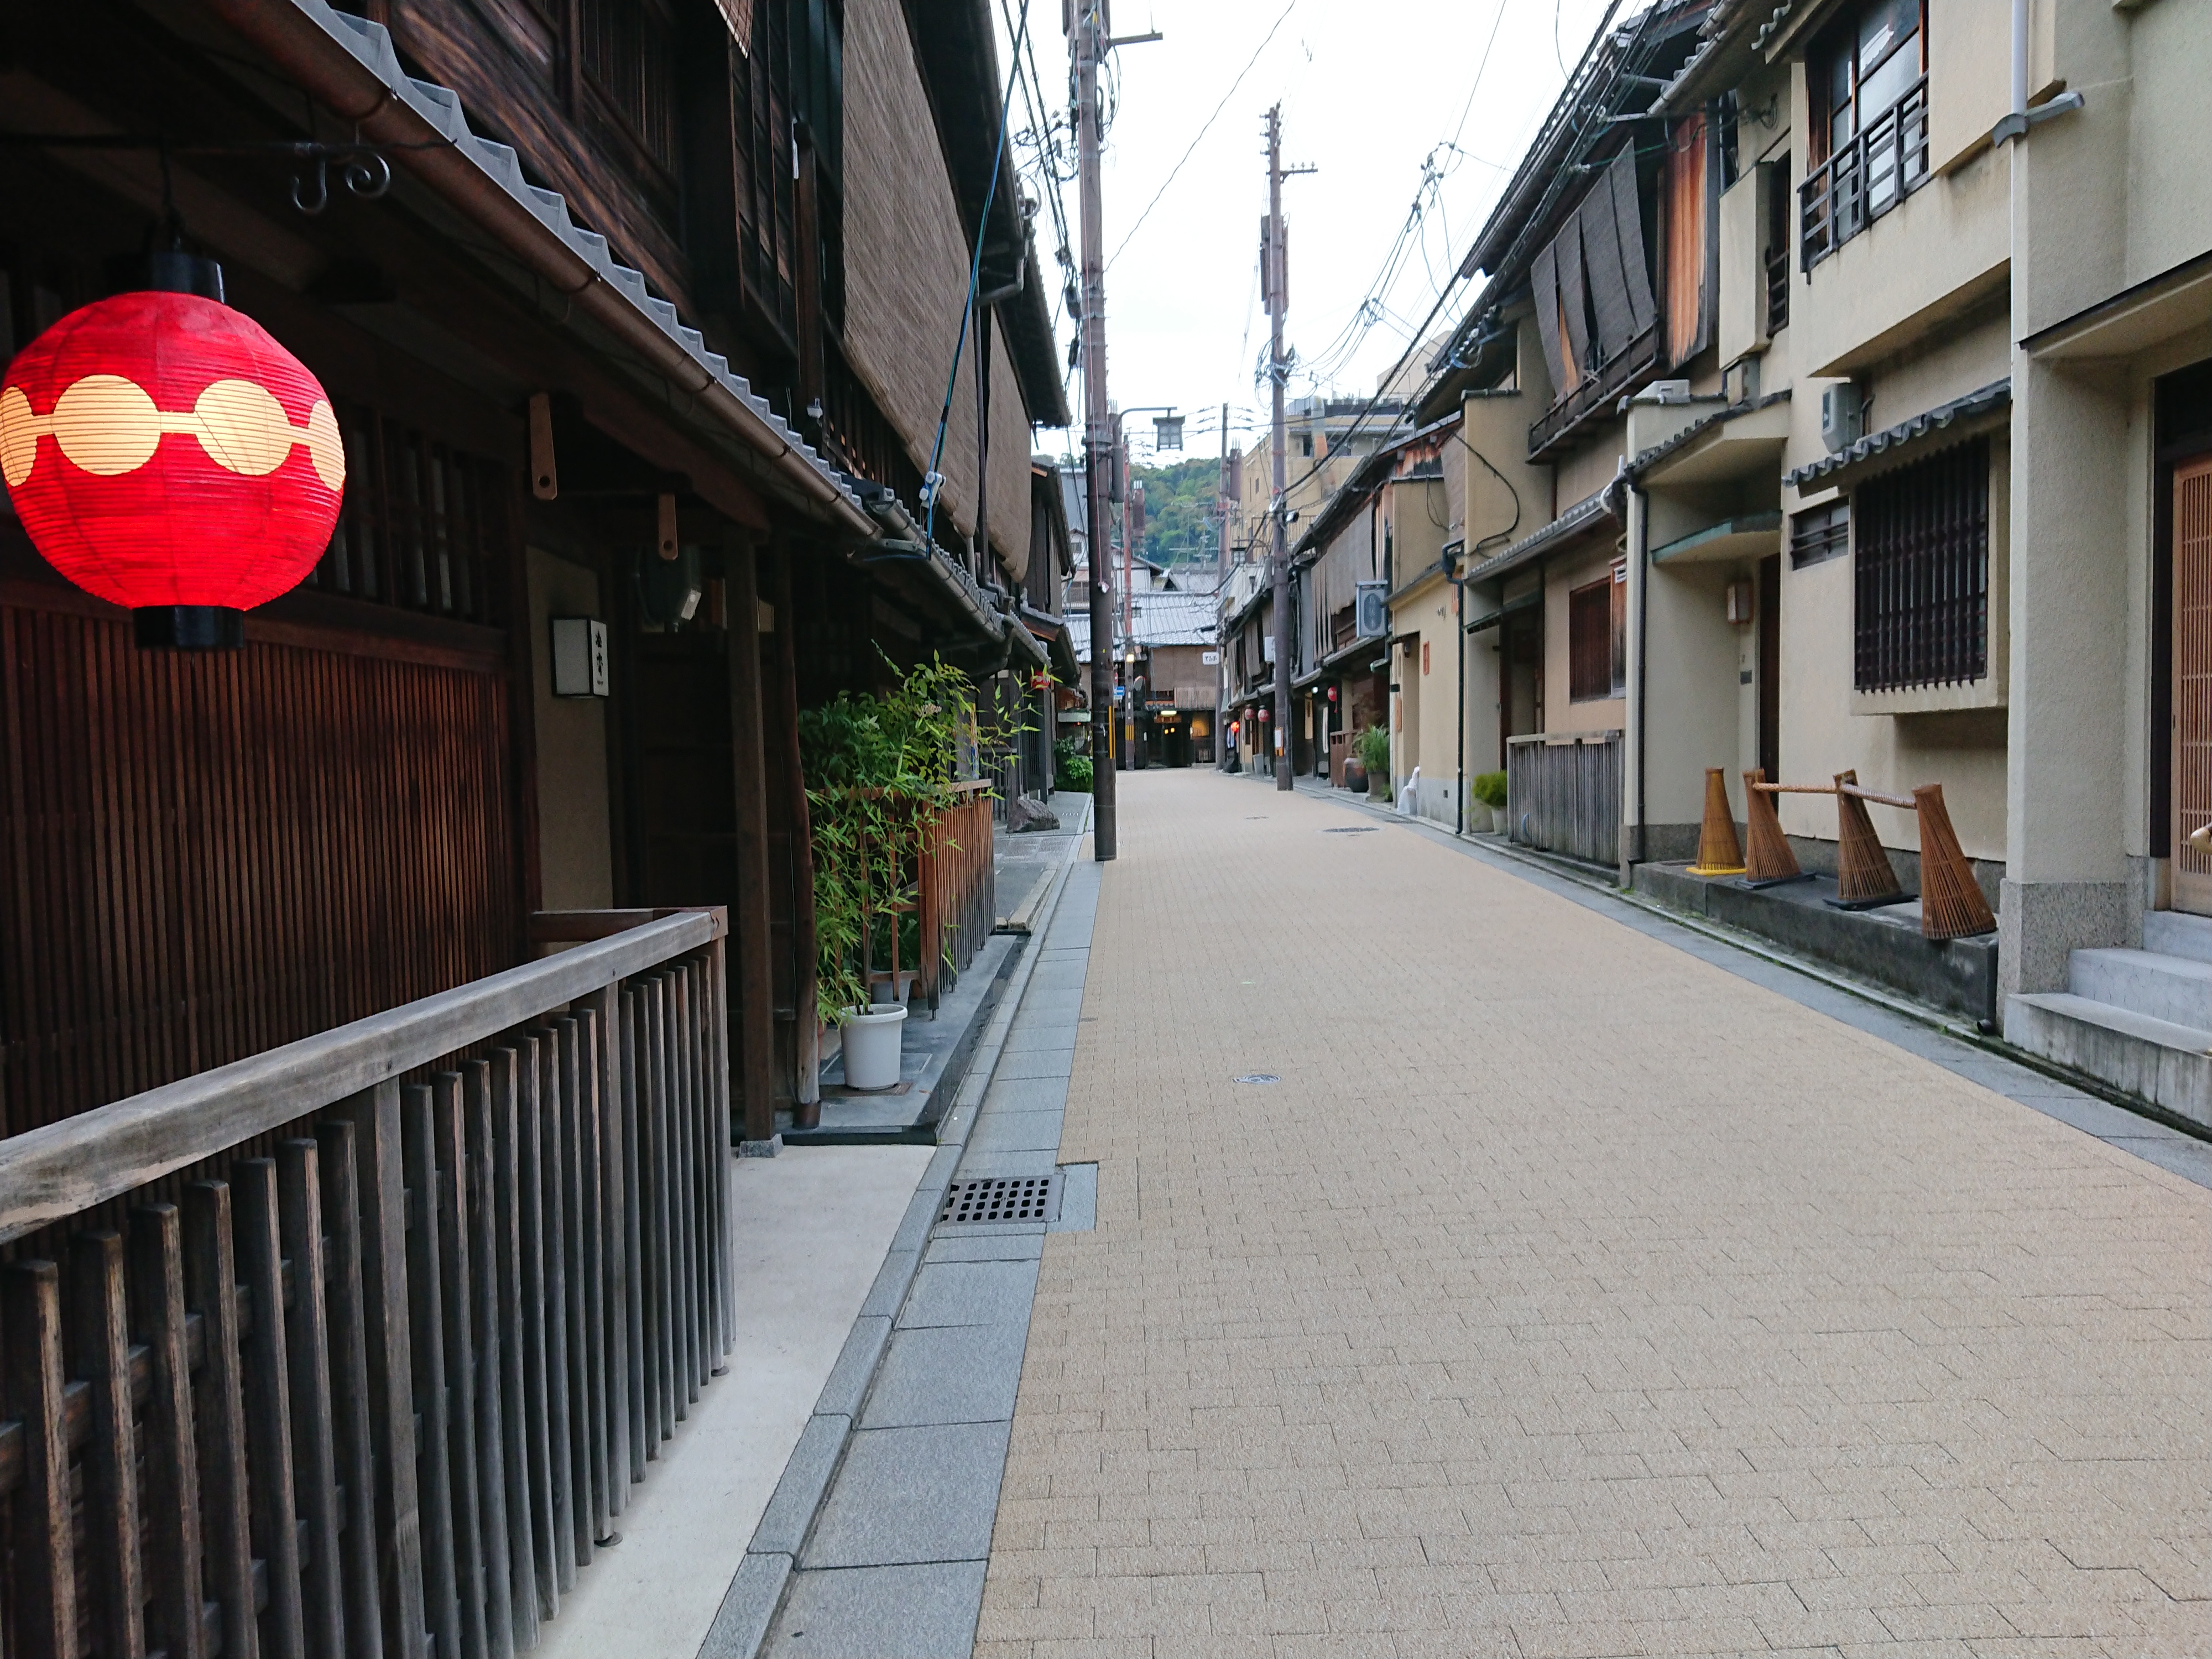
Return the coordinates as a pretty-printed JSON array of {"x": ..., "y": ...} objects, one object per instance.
[{"x": 356, "y": 1347}]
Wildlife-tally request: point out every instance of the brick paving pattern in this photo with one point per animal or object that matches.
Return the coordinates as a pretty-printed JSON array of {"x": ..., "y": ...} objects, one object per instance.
[{"x": 1568, "y": 1297}]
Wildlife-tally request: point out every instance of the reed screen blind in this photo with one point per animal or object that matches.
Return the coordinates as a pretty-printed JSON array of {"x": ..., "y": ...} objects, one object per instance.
[{"x": 1921, "y": 581}]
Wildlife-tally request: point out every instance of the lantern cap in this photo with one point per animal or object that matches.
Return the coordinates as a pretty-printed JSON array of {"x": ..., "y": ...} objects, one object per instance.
[
  {"x": 188, "y": 627},
  {"x": 173, "y": 271}
]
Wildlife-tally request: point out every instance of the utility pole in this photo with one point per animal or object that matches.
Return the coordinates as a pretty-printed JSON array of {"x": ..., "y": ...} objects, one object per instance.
[
  {"x": 1220, "y": 587},
  {"x": 1274, "y": 266},
  {"x": 1221, "y": 506},
  {"x": 1133, "y": 531},
  {"x": 1088, "y": 20}
]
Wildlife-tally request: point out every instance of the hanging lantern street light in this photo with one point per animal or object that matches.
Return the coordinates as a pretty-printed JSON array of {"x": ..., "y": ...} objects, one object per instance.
[{"x": 167, "y": 454}]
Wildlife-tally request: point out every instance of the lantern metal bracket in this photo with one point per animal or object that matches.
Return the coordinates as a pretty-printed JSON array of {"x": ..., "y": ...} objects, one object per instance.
[{"x": 363, "y": 167}]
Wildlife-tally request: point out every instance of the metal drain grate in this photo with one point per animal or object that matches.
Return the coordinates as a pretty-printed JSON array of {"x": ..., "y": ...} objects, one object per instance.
[
  {"x": 1002, "y": 1198},
  {"x": 1353, "y": 830}
]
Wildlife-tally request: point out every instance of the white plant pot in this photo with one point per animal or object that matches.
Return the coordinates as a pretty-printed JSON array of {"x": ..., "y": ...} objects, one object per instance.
[{"x": 872, "y": 1044}]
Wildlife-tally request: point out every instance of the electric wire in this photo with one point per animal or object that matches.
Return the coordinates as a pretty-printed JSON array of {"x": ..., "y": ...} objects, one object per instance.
[
  {"x": 1202, "y": 131},
  {"x": 1421, "y": 333},
  {"x": 935, "y": 482}
]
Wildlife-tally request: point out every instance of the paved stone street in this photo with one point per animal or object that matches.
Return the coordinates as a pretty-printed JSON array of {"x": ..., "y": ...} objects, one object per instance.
[{"x": 1568, "y": 1294}]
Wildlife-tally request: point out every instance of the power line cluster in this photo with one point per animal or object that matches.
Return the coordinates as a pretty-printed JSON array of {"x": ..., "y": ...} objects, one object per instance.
[{"x": 1049, "y": 163}]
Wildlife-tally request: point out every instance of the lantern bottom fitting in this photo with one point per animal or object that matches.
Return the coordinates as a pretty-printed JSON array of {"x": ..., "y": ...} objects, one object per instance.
[{"x": 188, "y": 627}]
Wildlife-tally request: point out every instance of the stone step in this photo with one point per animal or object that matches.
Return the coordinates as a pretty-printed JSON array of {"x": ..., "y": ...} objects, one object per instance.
[
  {"x": 2177, "y": 933},
  {"x": 2177, "y": 989},
  {"x": 2168, "y": 1065}
]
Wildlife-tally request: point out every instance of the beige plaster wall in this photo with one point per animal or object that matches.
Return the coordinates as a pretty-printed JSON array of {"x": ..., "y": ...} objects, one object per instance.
[
  {"x": 2169, "y": 185},
  {"x": 1592, "y": 466},
  {"x": 1693, "y": 718},
  {"x": 574, "y": 849},
  {"x": 1563, "y": 574},
  {"x": 1508, "y": 498},
  {"x": 1934, "y": 254}
]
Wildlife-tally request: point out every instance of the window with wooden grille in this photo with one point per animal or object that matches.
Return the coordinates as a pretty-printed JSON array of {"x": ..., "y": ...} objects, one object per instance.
[
  {"x": 790, "y": 97},
  {"x": 1820, "y": 532},
  {"x": 424, "y": 527},
  {"x": 627, "y": 50},
  {"x": 1776, "y": 259},
  {"x": 1590, "y": 641},
  {"x": 1867, "y": 141},
  {"x": 1921, "y": 578}
]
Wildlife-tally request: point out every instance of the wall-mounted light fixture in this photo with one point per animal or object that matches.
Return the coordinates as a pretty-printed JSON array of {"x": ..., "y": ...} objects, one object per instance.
[{"x": 579, "y": 657}]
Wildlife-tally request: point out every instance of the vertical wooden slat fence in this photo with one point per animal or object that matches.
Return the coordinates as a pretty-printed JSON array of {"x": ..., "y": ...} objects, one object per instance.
[
  {"x": 957, "y": 897},
  {"x": 938, "y": 868},
  {"x": 356, "y": 1347},
  {"x": 1563, "y": 793}
]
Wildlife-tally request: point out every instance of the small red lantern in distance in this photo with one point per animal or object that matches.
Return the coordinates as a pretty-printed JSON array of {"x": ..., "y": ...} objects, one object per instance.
[{"x": 165, "y": 453}]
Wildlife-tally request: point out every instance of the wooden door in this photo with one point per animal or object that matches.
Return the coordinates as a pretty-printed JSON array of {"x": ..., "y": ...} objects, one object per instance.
[{"x": 2192, "y": 681}]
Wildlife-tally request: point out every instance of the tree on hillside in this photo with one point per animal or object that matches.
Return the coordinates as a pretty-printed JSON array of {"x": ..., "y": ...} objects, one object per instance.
[{"x": 1179, "y": 502}]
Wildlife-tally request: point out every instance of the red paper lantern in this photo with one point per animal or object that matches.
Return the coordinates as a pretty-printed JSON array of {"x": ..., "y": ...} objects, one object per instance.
[{"x": 165, "y": 453}]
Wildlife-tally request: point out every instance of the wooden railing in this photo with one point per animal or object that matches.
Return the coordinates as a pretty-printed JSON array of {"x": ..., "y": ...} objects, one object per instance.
[
  {"x": 1599, "y": 385},
  {"x": 1870, "y": 172},
  {"x": 1563, "y": 793},
  {"x": 356, "y": 1346}
]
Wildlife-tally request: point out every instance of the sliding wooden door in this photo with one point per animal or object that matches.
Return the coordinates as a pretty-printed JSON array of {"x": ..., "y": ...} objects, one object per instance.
[{"x": 2192, "y": 681}]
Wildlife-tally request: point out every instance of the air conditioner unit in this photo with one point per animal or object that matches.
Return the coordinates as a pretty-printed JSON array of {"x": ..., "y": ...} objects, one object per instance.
[
  {"x": 1665, "y": 392},
  {"x": 1370, "y": 609},
  {"x": 1843, "y": 416}
]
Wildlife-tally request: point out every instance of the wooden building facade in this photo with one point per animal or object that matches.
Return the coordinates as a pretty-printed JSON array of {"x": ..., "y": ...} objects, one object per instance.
[
  {"x": 333, "y": 967},
  {"x": 205, "y": 856}
]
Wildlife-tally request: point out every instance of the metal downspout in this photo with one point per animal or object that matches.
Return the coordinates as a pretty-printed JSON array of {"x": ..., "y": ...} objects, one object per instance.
[{"x": 1640, "y": 515}]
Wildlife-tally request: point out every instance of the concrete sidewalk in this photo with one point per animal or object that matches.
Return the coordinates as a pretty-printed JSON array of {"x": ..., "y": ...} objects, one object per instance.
[
  {"x": 812, "y": 1229},
  {"x": 1569, "y": 1294}
]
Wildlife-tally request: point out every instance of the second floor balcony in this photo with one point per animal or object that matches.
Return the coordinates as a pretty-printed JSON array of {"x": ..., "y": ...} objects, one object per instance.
[{"x": 1868, "y": 175}]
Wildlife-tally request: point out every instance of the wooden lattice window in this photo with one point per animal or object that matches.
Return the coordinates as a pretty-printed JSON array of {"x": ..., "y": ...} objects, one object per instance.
[
  {"x": 423, "y": 527},
  {"x": 1590, "y": 641},
  {"x": 628, "y": 49},
  {"x": 1819, "y": 533},
  {"x": 1921, "y": 581},
  {"x": 790, "y": 89}
]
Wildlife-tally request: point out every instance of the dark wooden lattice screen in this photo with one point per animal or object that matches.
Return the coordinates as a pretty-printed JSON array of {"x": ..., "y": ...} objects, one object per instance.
[
  {"x": 1921, "y": 580},
  {"x": 204, "y": 856},
  {"x": 1590, "y": 641}
]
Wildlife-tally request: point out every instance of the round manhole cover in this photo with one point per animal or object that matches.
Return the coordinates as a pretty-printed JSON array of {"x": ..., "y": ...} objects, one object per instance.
[{"x": 1258, "y": 1077}]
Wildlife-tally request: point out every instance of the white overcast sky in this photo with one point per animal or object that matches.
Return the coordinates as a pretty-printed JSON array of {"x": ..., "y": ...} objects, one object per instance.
[{"x": 1369, "y": 90}]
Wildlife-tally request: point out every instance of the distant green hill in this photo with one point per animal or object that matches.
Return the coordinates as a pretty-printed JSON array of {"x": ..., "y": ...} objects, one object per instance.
[{"x": 1179, "y": 500}]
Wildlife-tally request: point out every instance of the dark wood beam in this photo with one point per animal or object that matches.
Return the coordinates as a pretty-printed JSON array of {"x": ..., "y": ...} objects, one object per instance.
[{"x": 754, "y": 1021}]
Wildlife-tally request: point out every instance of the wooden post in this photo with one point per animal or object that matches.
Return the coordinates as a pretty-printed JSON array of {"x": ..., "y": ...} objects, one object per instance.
[
  {"x": 805, "y": 946},
  {"x": 272, "y": 1482},
  {"x": 172, "y": 1484},
  {"x": 755, "y": 990},
  {"x": 383, "y": 1195},
  {"x": 99, "y": 1342},
  {"x": 348, "y": 1328},
  {"x": 315, "y": 1431},
  {"x": 211, "y": 1285},
  {"x": 615, "y": 1188},
  {"x": 45, "y": 1583}
]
